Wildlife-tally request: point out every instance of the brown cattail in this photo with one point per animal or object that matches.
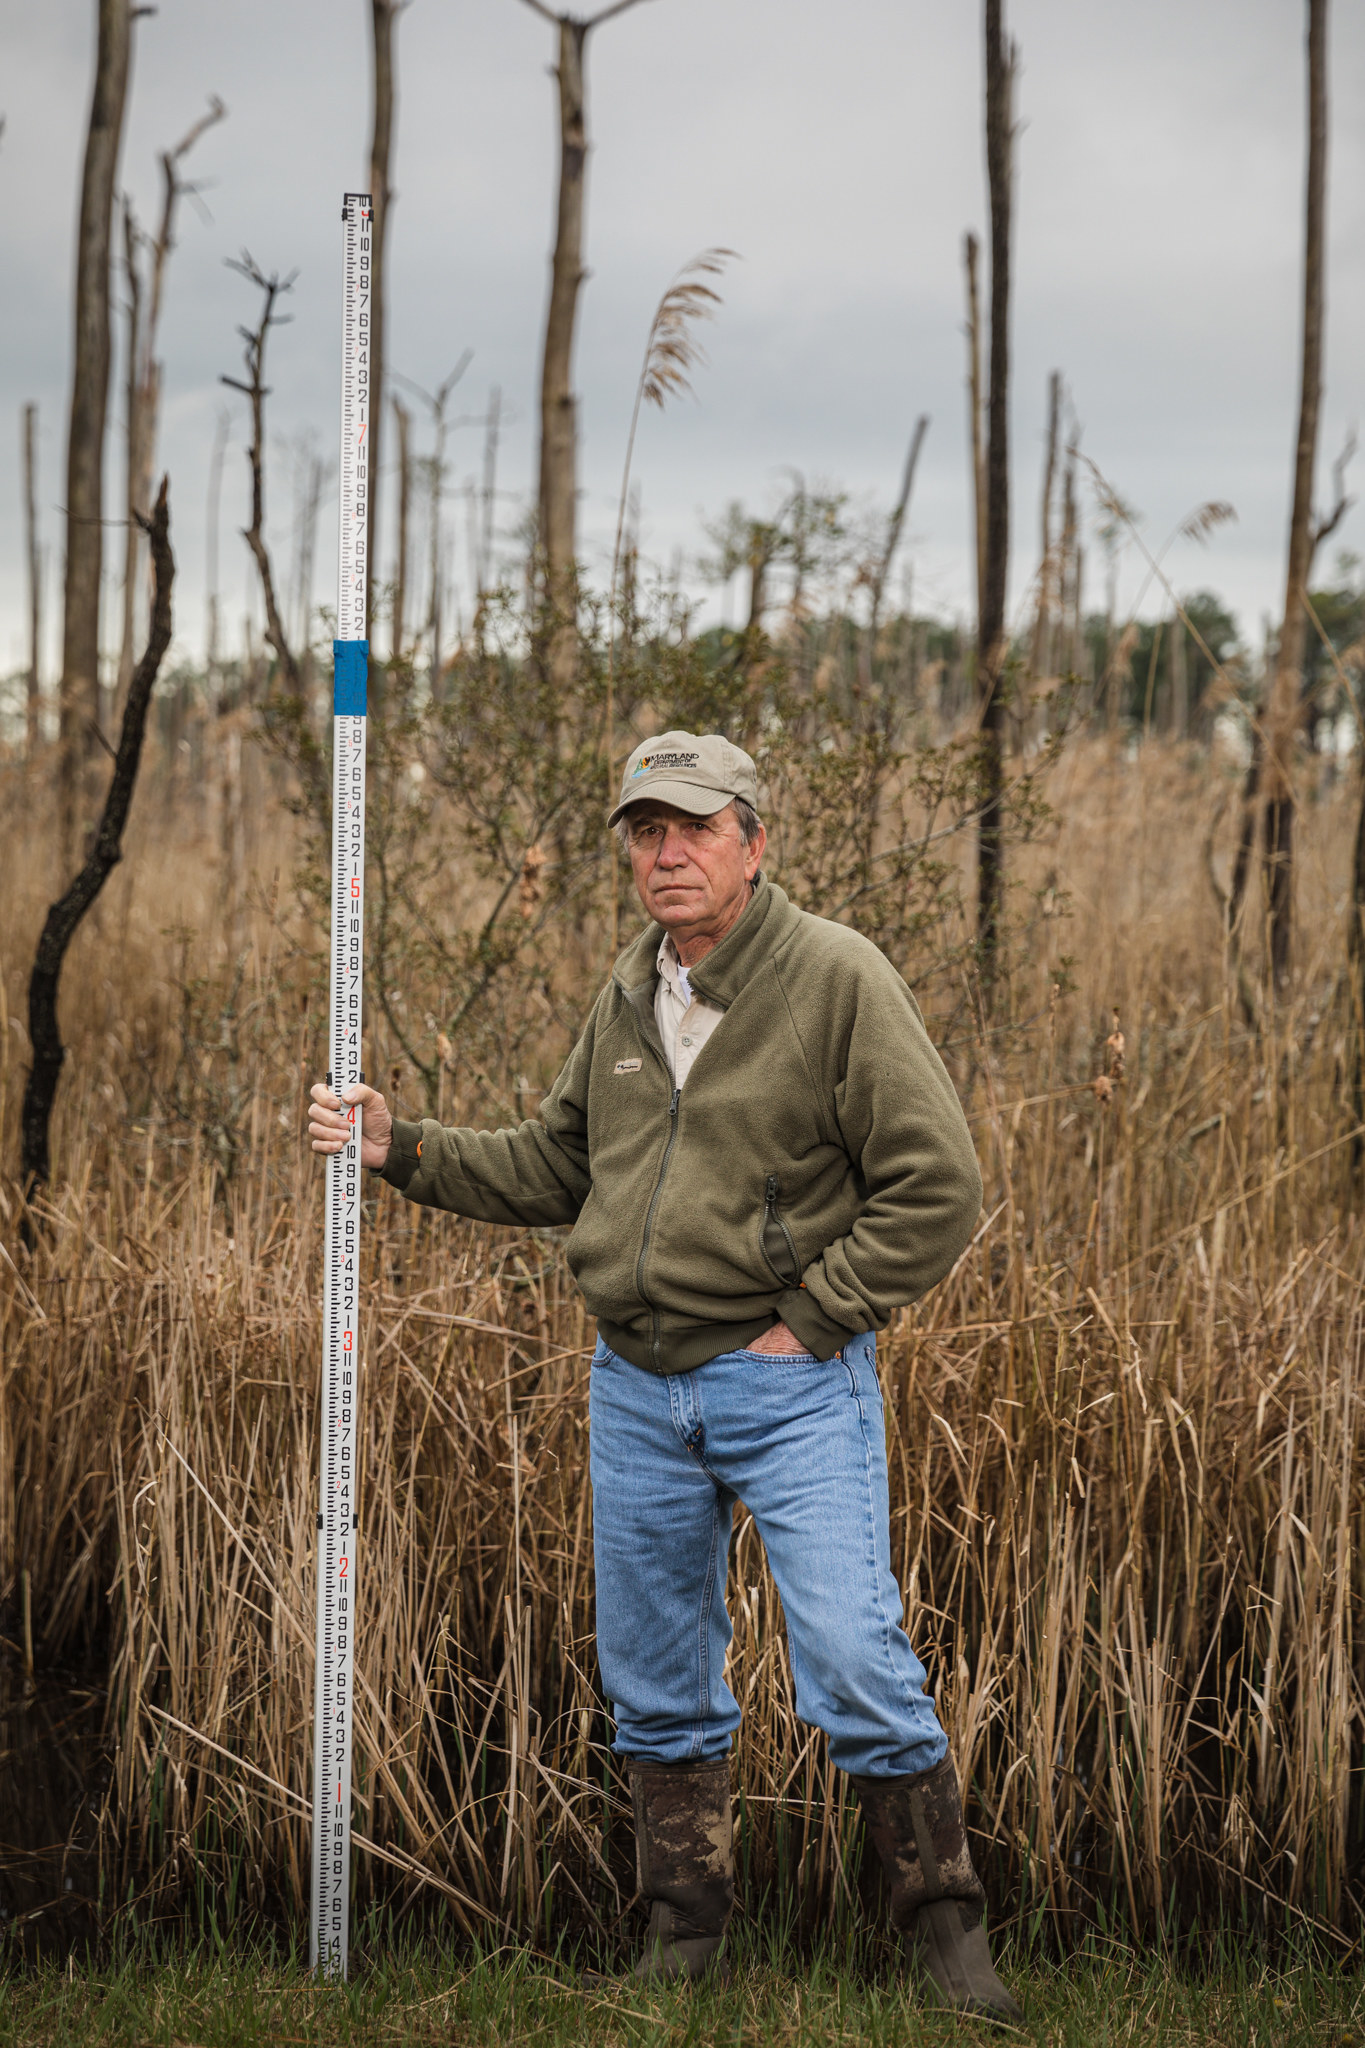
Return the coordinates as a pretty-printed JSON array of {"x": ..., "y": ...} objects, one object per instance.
[{"x": 1114, "y": 1047}]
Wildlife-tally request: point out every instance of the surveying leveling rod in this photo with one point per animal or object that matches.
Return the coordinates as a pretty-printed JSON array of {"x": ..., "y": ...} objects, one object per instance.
[{"x": 334, "y": 1684}]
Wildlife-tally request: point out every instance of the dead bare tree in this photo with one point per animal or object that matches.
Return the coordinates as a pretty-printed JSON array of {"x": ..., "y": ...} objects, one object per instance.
[
  {"x": 33, "y": 698},
  {"x": 971, "y": 251},
  {"x": 402, "y": 419},
  {"x": 1043, "y": 660},
  {"x": 1178, "y": 707},
  {"x": 1001, "y": 57},
  {"x": 78, "y": 690},
  {"x": 1072, "y": 571},
  {"x": 256, "y": 391},
  {"x": 383, "y": 13},
  {"x": 882, "y": 567},
  {"x": 144, "y": 372},
  {"x": 1283, "y": 711},
  {"x": 557, "y": 507},
  {"x": 132, "y": 502},
  {"x": 309, "y": 474},
  {"x": 492, "y": 429},
  {"x": 212, "y": 510},
  {"x": 435, "y": 466},
  {"x": 64, "y": 917}
]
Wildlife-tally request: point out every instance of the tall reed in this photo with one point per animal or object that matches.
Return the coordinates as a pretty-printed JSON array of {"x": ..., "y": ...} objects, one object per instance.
[{"x": 1125, "y": 1434}]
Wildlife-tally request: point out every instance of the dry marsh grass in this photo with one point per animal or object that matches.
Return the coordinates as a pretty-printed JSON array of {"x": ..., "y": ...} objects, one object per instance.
[{"x": 1125, "y": 1434}]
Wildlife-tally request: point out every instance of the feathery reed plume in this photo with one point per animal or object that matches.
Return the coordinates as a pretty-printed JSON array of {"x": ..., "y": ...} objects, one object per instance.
[
  {"x": 672, "y": 352},
  {"x": 1203, "y": 520}
]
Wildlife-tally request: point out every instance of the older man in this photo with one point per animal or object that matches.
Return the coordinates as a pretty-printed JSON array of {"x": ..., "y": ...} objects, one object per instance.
[{"x": 762, "y": 1158}]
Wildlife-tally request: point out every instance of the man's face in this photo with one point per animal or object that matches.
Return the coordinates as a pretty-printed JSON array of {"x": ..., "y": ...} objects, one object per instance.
[{"x": 692, "y": 874}]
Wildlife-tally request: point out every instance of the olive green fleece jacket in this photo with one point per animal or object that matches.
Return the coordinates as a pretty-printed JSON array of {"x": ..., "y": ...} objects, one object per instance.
[{"x": 817, "y": 1167}]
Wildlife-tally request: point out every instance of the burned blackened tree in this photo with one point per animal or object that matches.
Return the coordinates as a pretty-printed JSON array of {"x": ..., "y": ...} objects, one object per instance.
[
  {"x": 991, "y": 645},
  {"x": 557, "y": 505},
  {"x": 60, "y": 926}
]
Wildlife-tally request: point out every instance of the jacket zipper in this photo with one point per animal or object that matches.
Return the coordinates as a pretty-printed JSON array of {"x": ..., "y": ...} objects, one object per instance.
[
  {"x": 770, "y": 1211},
  {"x": 657, "y": 1338}
]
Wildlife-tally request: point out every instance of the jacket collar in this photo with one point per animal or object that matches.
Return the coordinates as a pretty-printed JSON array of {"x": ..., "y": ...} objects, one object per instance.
[{"x": 720, "y": 975}]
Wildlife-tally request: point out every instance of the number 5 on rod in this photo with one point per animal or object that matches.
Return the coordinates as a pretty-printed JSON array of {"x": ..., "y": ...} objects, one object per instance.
[{"x": 334, "y": 1685}]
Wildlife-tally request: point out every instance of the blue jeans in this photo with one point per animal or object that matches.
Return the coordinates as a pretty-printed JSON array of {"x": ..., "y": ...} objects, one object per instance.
[{"x": 802, "y": 1443}]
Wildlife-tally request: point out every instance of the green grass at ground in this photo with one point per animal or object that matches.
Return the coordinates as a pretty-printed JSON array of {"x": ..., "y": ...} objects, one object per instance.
[{"x": 513, "y": 1996}]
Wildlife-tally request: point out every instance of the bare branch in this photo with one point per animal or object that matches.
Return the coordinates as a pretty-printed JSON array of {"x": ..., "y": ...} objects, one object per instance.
[
  {"x": 619, "y": 7},
  {"x": 541, "y": 9},
  {"x": 1342, "y": 502},
  {"x": 217, "y": 111},
  {"x": 255, "y": 390},
  {"x": 897, "y": 520}
]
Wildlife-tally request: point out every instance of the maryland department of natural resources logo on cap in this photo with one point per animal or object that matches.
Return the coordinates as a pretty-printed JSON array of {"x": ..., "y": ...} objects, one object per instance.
[
  {"x": 662, "y": 761},
  {"x": 696, "y": 772}
]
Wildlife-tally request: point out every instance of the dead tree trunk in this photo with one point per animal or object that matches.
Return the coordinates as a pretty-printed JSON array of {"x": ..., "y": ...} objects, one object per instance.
[
  {"x": 400, "y": 587},
  {"x": 991, "y": 639},
  {"x": 1069, "y": 658},
  {"x": 78, "y": 691},
  {"x": 557, "y": 510},
  {"x": 308, "y": 542},
  {"x": 490, "y": 490},
  {"x": 1283, "y": 712},
  {"x": 971, "y": 253},
  {"x": 144, "y": 376},
  {"x": 893, "y": 534},
  {"x": 133, "y": 501},
  {"x": 1179, "y": 704},
  {"x": 40, "y": 1088},
  {"x": 286, "y": 711},
  {"x": 33, "y": 699},
  {"x": 212, "y": 511},
  {"x": 381, "y": 198},
  {"x": 435, "y": 466},
  {"x": 255, "y": 391},
  {"x": 1042, "y": 662}
]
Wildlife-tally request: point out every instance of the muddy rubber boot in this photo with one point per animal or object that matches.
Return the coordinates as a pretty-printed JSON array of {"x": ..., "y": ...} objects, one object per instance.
[
  {"x": 684, "y": 1857},
  {"x": 937, "y": 1901}
]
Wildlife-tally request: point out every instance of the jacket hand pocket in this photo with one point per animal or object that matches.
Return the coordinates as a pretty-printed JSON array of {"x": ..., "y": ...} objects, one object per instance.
[{"x": 776, "y": 1241}]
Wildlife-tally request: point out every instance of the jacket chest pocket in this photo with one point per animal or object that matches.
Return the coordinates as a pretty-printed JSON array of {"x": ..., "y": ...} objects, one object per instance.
[{"x": 776, "y": 1241}]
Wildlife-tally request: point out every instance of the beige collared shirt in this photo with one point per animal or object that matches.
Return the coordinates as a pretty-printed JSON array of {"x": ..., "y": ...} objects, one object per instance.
[{"x": 685, "y": 1022}]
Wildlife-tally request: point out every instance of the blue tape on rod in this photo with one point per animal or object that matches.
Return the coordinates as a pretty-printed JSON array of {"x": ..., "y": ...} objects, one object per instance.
[{"x": 350, "y": 672}]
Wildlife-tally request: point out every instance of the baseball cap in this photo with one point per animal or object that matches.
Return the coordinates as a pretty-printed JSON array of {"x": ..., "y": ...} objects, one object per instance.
[{"x": 696, "y": 772}]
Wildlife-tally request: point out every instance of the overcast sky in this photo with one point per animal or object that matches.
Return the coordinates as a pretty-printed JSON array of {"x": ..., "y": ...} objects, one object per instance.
[{"x": 836, "y": 147}]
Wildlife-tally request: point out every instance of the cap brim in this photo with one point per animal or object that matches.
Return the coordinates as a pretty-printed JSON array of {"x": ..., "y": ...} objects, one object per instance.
[{"x": 683, "y": 796}]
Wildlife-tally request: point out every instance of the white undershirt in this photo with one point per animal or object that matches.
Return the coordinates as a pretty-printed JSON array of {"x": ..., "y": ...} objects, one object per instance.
[{"x": 685, "y": 1021}]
